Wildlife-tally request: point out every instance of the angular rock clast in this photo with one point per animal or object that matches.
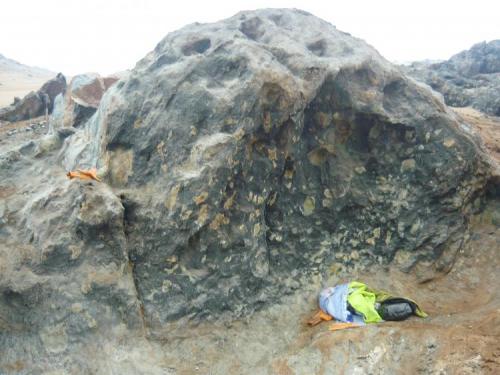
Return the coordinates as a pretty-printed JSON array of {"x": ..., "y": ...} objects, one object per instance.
[{"x": 80, "y": 101}]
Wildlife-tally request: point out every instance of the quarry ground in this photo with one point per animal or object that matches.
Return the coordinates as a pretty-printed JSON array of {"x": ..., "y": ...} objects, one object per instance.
[{"x": 460, "y": 336}]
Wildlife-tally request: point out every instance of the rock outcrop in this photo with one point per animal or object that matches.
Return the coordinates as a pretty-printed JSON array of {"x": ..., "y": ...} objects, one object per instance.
[
  {"x": 35, "y": 103},
  {"x": 470, "y": 78},
  {"x": 239, "y": 160},
  {"x": 80, "y": 100}
]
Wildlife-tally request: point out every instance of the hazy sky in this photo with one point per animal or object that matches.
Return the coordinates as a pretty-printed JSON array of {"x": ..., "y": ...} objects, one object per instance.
[{"x": 76, "y": 36}]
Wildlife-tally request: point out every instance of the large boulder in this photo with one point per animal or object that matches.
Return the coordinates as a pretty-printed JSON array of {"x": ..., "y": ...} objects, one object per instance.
[
  {"x": 31, "y": 106},
  {"x": 240, "y": 160},
  {"x": 81, "y": 99},
  {"x": 469, "y": 78},
  {"x": 52, "y": 88},
  {"x": 256, "y": 151},
  {"x": 35, "y": 103}
]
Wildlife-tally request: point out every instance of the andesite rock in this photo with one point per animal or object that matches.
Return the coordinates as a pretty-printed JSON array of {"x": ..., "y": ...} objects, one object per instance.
[
  {"x": 239, "y": 160},
  {"x": 268, "y": 146},
  {"x": 35, "y": 103},
  {"x": 53, "y": 88},
  {"x": 31, "y": 106},
  {"x": 469, "y": 78},
  {"x": 80, "y": 100}
]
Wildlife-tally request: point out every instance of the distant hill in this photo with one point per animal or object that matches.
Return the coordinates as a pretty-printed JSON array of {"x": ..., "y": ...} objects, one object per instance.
[{"x": 17, "y": 79}]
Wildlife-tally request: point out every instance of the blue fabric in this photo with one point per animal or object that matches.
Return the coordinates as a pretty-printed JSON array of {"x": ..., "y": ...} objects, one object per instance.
[{"x": 333, "y": 301}]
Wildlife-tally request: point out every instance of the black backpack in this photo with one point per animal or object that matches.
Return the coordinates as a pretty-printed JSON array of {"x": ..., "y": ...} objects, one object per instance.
[{"x": 396, "y": 309}]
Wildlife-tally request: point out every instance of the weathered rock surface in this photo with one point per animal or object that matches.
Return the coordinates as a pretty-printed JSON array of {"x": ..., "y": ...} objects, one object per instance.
[
  {"x": 240, "y": 160},
  {"x": 31, "y": 106},
  {"x": 459, "y": 337},
  {"x": 470, "y": 78},
  {"x": 265, "y": 148},
  {"x": 35, "y": 103},
  {"x": 80, "y": 101},
  {"x": 52, "y": 88}
]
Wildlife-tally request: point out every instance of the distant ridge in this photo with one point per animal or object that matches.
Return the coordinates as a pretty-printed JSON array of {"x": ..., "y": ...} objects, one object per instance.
[
  {"x": 17, "y": 79},
  {"x": 7, "y": 64}
]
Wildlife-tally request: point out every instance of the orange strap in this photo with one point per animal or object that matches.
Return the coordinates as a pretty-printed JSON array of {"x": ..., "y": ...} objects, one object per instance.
[
  {"x": 339, "y": 326},
  {"x": 84, "y": 174},
  {"x": 319, "y": 317}
]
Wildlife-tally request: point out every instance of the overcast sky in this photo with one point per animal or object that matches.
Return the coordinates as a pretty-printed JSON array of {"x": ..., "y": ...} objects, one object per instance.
[{"x": 105, "y": 36}]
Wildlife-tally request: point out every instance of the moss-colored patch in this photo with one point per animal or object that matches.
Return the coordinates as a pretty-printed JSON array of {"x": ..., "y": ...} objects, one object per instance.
[
  {"x": 308, "y": 206},
  {"x": 199, "y": 199},
  {"x": 172, "y": 197},
  {"x": 267, "y": 122},
  {"x": 120, "y": 162},
  {"x": 449, "y": 142},
  {"x": 317, "y": 156},
  {"x": 202, "y": 215},
  {"x": 218, "y": 221}
]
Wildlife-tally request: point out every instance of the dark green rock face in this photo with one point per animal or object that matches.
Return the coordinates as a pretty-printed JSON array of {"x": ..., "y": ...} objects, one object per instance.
[
  {"x": 253, "y": 152},
  {"x": 238, "y": 160}
]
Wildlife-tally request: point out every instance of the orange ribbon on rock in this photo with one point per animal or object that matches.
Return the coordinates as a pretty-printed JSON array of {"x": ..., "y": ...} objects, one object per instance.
[
  {"x": 319, "y": 317},
  {"x": 339, "y": 326},
  {"x": 84, "y": 174}
]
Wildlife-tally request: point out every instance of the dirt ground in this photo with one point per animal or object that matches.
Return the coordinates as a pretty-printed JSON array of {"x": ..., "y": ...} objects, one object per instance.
[{"x": 16, "y": 133}]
